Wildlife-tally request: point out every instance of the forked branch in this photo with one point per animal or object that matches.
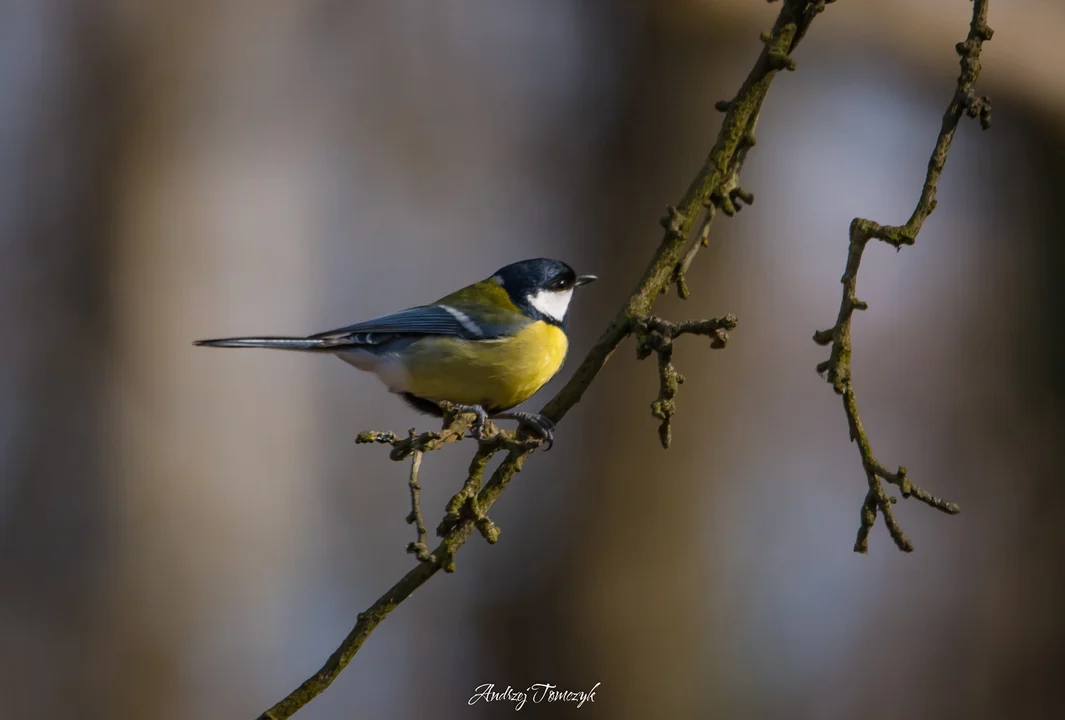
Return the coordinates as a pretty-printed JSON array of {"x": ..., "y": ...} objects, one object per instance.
[{"x": 838, "y": 366}]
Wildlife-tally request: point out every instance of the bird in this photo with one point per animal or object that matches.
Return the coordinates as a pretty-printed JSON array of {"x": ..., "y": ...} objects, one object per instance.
[{"x": 484, "y": 349}]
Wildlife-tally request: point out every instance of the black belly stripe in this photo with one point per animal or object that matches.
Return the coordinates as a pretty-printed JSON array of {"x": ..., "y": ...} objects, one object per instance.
[{"x": 422, "y": 405}]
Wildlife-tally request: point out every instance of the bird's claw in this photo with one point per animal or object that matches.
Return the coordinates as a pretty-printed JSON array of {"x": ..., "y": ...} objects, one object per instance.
[
  {"x": 479, "y": 426},
  {"x": 535, "y": 424},
  {"x": 479, "y": 429}
]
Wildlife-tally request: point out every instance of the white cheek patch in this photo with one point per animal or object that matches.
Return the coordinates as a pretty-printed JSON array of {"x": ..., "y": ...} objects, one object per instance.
[{"x": 552, "y": 303}]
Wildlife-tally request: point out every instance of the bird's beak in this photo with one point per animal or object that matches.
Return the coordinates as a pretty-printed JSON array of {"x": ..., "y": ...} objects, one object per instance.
[{"x": 584, "y": 280}]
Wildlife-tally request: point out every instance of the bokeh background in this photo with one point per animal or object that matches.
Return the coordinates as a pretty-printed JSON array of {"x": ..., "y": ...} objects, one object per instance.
[{"x": 189, "y": 533}]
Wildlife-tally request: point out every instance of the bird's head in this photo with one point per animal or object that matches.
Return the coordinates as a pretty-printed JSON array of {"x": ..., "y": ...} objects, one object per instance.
[{"x": 542, "y": 288}]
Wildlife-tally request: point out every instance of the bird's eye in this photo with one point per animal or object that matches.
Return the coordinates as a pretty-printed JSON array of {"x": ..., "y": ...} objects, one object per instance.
[{"x": 560, "y": 283}]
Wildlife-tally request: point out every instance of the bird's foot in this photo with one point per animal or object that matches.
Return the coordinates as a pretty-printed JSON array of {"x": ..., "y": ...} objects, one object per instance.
[
  {"x": 535, "y": 424},
  {"x": 478, "y": 428}
]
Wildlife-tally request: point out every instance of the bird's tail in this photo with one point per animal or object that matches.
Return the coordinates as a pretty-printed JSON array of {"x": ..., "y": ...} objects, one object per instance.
[{"x": 278, "y": 343}]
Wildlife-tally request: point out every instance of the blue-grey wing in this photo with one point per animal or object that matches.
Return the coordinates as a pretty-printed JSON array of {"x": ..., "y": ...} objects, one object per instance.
[{"x": 422, "y": 320}]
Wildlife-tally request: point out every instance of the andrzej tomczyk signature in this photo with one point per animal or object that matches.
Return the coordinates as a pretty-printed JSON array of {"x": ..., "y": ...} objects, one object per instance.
[{"x": 537, "y": 693}]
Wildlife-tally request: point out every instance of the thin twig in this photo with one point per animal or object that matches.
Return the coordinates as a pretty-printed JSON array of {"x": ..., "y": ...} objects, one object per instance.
[
  {"x": 838, "y": 367},
  {"x": 454, "y": 428},
  {"x": 681, "y": 269},
  {"x": 419, "y": 548},
  {"x": 721, "y": 167},
  {"x": 655, "y": 335}
]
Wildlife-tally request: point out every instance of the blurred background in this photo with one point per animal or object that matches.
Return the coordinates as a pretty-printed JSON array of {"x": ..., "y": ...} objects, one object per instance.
[{"x": 189, "y": 533}]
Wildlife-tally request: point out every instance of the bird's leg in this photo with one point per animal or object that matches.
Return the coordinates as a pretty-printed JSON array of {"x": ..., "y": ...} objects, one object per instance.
[
  {"x": 477, "y": 428},
  {"x": 537, "y": 424}
]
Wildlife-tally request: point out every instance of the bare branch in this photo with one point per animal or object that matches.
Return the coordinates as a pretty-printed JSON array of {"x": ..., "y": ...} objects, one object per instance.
[
  {"x": 655, "y": 335},
  {"x": 838, "y": 366},
  {"x": 418, "y": 548}
]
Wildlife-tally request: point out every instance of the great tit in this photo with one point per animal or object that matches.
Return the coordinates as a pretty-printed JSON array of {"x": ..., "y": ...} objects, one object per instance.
[{"x": 484, "y": 349}]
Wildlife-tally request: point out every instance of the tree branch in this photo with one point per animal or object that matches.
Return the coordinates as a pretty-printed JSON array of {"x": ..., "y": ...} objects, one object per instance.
[
  {"x": 715, "y": 185},
  {"x": 655, "y": 335},
  {"x": 838, "y": 366},
  {"x": 419, "y": 548}
]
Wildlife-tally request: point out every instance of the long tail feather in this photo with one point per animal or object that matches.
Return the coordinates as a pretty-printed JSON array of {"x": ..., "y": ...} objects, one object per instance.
[{"x": 277, "y": 343}]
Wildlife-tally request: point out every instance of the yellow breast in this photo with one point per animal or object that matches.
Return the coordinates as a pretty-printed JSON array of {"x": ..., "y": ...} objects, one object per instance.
[{"x": 496, "y": 374}]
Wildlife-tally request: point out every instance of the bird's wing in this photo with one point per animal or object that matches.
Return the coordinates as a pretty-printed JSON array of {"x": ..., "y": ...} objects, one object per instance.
[{"x": 434, "y": 319}]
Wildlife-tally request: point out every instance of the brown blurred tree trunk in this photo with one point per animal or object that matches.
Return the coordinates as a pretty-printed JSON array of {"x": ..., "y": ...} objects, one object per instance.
[{"x": 56, "y": 213}]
